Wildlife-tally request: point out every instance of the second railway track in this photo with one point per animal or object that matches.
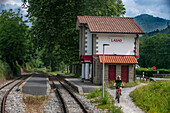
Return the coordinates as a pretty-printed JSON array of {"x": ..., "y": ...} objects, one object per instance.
[
  {"x": 6, "y": 89},
  {"x": 70, "y": 103}
]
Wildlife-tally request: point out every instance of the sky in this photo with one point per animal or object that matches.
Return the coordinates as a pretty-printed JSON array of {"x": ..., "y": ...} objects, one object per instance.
[
  {"x": 11, "y": 4},
  {"x": 157, "y": 8}
]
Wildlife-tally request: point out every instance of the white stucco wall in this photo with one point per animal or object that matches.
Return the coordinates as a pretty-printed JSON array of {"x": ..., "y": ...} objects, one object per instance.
[
  {"x": 124, "y": 46},
  {"x": 89, "y": 42}
]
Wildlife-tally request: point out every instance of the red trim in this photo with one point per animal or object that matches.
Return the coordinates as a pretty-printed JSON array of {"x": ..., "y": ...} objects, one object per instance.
[
  {"x": 83, "y": 78},
  {"x": 115, "y": 55},
  {"x": 138, "y": 56},
  {"x": 87, "y": 57}
]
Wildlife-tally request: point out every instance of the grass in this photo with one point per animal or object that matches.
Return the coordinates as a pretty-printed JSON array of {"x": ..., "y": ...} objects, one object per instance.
[
  {"x": 59, "y": 72},
  {"x": 153, "y": 98},
  {"x": 54, "y": 73},
  {"x": 74, "y": 75},
  {"x": 35, "y": 104},
  {"x": 45, "y": 71},
  {"x": 107, "y": 103},
  {"x": 126, "y": 85}
]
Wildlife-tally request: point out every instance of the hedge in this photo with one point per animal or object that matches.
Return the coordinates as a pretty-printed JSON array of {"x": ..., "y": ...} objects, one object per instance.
[
  {"x": 149, "y": 72},
  {"x": 5, "y": 70}
]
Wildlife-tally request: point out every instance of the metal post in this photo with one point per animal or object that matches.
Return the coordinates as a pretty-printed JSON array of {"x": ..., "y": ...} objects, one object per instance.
[
  {"x": 103, "y": 75},
  {"x": 103, "y": 71},
  {"x": 83, "y": 70}
]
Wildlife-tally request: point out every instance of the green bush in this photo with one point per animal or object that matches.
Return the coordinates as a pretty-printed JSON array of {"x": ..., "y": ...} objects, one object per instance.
[
  {"x": 149, "y": 72},
  {"x": 106, "y": 103},
  {"x": 37, "y": 62},
  {"x": 105, "y": 100},
  {"x": 126, "y": 85},
  {"x": 5, "y": 70},
  {"x": 94, "y": 94},
  {"x": 29, "y": 66},
  {"x": 74, "y": 75},
  {"x": 153, "y": 98}
]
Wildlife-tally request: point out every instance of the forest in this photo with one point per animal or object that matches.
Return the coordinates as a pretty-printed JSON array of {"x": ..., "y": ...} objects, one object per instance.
[
  {"x": 154, "y": 51},
  {"x": 52, "y": 40}
]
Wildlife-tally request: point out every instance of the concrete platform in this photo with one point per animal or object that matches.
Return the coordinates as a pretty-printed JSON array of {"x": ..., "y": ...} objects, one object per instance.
[
  {"x": 36, "y": 85},
  {"x": 80, "y": 86}
]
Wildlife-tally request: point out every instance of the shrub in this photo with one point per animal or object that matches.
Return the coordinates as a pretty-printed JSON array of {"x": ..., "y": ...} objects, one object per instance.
[
  {"x": 153, "y": 98},
  {"x": 149, "y": 72},
  {"x": 5, "y": 70},
  {"x": 126, "y": 85},
  {"x": 94, "y": 94},
  {"x": 106, "y": 103},
  {"x": 74, "y": 75},
  {"x": 29, "y": 66},
  {"x": 105, "y": 100}
]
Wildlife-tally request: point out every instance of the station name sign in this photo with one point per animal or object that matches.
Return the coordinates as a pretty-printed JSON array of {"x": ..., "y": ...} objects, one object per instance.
[{"x": 116, "y": 40}]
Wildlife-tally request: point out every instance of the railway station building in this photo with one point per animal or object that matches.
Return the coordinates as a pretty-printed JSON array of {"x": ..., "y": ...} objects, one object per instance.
[{"x": 122, "y": 35}]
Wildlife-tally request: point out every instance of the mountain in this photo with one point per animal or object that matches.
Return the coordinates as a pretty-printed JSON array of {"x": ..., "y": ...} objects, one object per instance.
[
  {"x": 149, "y": 23},
  {"x": 163, "y": 31}
]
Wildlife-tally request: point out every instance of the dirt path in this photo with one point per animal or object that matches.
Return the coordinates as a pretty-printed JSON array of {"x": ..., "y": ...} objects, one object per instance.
[{"x": 125, "y": 101}]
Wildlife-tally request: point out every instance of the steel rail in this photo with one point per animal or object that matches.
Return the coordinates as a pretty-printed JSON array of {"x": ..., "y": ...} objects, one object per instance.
[
  {"x": 6, "y": 95},
  {"x": 9, "y": 83},
  {"x": 74, "y": 96},
  {"x": 59, "y": 96}
]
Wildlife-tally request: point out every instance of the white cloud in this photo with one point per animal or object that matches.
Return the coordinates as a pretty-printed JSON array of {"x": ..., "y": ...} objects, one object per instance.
[
  {"x": 131, "y": 9},
  {"x": 156, "y": 8},
  {"x": 151, "y": 12},
  {"x": 12, "y": 2},
  {"x": 134, "y": 11}
]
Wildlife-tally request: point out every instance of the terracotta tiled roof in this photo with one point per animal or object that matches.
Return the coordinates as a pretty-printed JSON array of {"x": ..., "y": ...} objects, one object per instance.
[
  {"x": 110, "y": 24},
  {"x": 118, "y": 59}
]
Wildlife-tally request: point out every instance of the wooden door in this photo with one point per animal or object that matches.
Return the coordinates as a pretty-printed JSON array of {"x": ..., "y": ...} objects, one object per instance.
[
  {"x": 112, "y": 72},
  {"x": 124, "y": 73}
]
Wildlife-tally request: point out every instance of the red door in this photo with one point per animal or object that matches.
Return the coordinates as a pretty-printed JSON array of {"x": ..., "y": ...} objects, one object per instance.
[
  {"x": 112, "y": 72},
  {"x": 124, "y": 73}
]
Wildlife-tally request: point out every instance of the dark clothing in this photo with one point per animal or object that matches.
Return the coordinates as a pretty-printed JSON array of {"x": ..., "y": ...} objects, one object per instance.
[{"x": 118, "y": 83}]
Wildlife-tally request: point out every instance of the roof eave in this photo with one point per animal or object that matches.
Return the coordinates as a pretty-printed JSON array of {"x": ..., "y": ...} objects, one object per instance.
[
  {"x": 117, "y": 63},
  {"x": 119, "y": 32}
]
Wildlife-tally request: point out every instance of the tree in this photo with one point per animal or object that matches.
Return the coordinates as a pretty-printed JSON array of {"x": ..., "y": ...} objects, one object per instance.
[
  {"x": 54, "y": 23},
  {"x": 12, "y": 41},
  {"x": 154, "y": 51}
]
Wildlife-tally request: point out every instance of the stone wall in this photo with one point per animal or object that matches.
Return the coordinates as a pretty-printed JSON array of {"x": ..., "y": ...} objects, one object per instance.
[
  {"x": 131, "y": 73},
  {"x": 106, "y": 74},
  {"x": 118, "y": 69},
  {"x": 97, "y": 71}
]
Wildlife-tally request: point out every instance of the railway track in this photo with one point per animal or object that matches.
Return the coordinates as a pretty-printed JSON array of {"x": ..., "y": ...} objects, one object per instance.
[
  {"x": 6, "y": 89},
  {"x": 9, "y": 83},
  {"x": 69, "y": 102}
]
